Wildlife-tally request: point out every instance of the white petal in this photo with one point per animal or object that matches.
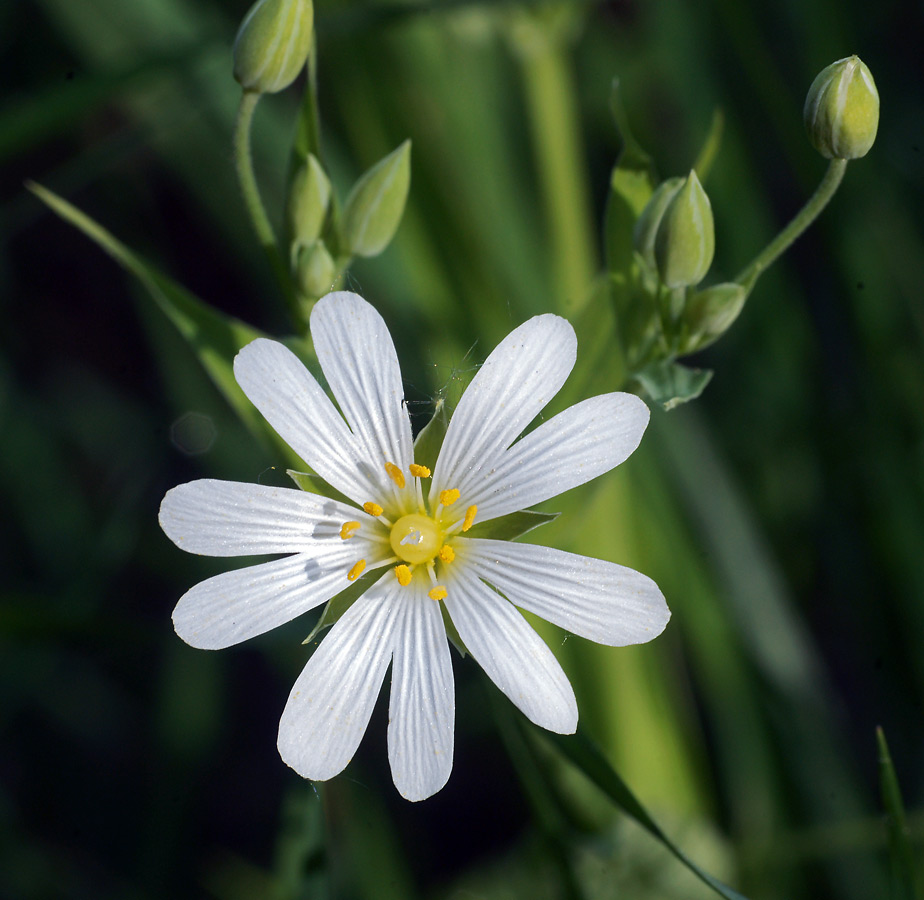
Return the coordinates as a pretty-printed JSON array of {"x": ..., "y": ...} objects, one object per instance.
[
  {"x": 422, "y": 708},
  {"x": 599, "y": 600},
  {"x": 358, "y": 359},
  {"x": 290, "y": 399},
  {"x": 228, "y": 518},
  {"x": 575, "y": 446},
  {"x": 514, "y": 657},
  {"x": 516, "y": 381},
  {"x": 331, "y": 702},
  {"x": 238, "y": 605}
]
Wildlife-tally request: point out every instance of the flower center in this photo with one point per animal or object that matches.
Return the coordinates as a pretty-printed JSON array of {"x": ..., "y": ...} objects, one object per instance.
[{"x": 416, "y": 538}]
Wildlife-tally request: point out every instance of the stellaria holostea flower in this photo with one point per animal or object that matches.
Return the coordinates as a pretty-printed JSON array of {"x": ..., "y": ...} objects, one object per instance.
[{"x": 414, "y": 535}]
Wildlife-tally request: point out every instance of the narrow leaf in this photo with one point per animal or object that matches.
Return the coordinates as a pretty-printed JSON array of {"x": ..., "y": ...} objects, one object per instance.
[{"x": 904, "y": 886}]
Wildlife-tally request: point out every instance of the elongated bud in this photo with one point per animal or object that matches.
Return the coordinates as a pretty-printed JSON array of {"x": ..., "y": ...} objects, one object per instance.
[
  {"x": 272, "y": 44},
  {"x": 309, "y": 197},
  {"x": 708, "y": 314},
  {"x": 646, "y": 226},
  {"x": 842, "y": 110},
  {"x": 685, "y": 239},
  {"x": 315, "y": 270},
  {"x": 374, "y": 208}
]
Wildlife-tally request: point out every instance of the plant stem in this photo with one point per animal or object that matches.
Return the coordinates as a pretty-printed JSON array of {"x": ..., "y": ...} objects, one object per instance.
[
  {"x": 816, "y": 203},
  {"x": 243, "y": 159}
]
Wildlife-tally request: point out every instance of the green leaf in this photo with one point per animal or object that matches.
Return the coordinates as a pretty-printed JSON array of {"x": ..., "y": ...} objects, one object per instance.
[
  {"x": 429, "y": 440},
  {"x": 710, "y": 148},
  {"x": 670, "y": 384},
  {"x": 587, "y": 757},
  {"x": 339, "y": 604},
  {"x": 904, "y": 883},
  {"x": 213, "y": 336},
  {"x": 513, "y": 525}
]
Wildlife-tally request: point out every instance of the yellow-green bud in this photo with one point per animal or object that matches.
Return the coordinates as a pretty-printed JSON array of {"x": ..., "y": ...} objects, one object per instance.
[
  {"x": 685, "y": 239},
  {"x": 309, "y": 197},
  {"x": 708, "y": 314},
  {"x": 315, "y": 270},
  {"x": 272, "y": 44},
  {"x": 374, "y": 208},
  {"x": 842, "y": 110},
  {"x": 646, "y": 226}
]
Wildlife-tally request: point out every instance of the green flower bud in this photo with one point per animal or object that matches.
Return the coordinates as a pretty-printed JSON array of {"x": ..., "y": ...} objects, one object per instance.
[
  {"x": 315, "y": 270},
  {"x": 272, "y": 44},
  {"x": 842, "y": 110},
  {"x": 708, "y": 314},
  {"x": 309, "y": 197},
  {"x": 685, "y": 239},
  {"x": 375, "y": 205},
  {"x": 646, "y": 226}
]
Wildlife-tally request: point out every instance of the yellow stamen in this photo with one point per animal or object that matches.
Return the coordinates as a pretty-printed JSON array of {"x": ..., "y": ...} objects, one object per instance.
[
  {"x": 437, "y": 593},
  {"x": 373, "y": 509},
  {"x": 447, "y": 498},
  {"x": 357, "y": 570},
  {"x": 447, "y": 554},
  {"x": 348, "y": 530},
  {"x": 470, "y": 514},
  {"x": 404, "y": 575},
  {"x": 419, "y": 471},
  {"x": 395, "y": 474}
]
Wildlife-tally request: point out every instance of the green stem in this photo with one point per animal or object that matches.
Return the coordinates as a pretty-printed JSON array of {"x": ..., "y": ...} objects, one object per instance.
[
  {"x": 817, "y": 202},
  {"x": 243, "y": 159},
  {"x": 551, "y": 101}
]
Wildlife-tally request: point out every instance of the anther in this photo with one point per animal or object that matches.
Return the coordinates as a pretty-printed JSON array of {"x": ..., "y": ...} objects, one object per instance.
[
  {"x": 470, "y": 514},
  {"x": 447, "y": 554},
  {"x": 357, "y": 570},
  {"x": 348, "y": 530},
  {"x": 404, "y": 575},
  {"x": 373, "y": 509},
  {"x": 395, "y": 474},
  {"x": 437, "y": 593},
  {"x": 447, "y": 498},
  {"x": 419, "y": 471}
]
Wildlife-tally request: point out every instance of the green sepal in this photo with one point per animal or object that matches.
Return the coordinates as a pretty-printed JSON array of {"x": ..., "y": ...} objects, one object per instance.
[
  {"x": 452, "y": 633},
  {"x": 312, "y": 483},
  {"x": 708, "y": 314},
  {"x": 429, "y": 439},
  {"x": 632, "y": 183},
  {"x": 904, "y": 879},
  {"x": 670, "y": 384},
  {"x": 375, "y": 206},
  {"x": 511, "y": 526},
  {"x": 340, "y": 603}
]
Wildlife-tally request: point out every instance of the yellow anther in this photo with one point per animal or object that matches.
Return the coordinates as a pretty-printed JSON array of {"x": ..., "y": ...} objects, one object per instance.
[
  {"x": 395, "y": 474},
  {"x": 404, "y": 575},
  {"x": 357, "y": 570},
  {"x": 348, "y": 530},
  {"x": 470, "y": 514},
  {"x": 437, "y": 593},
  {"x": 447, "y": 498},
  {"x": 373, "y": 509},
  {"x": 447, "y": 554},
  {"x": 419, "y": 471}
]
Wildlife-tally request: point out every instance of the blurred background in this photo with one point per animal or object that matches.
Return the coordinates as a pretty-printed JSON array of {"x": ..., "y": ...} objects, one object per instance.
[{"x": 782, "y": 513}]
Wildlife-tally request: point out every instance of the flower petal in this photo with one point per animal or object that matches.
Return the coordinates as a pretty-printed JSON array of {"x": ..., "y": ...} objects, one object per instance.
[
  {"x": 290, "y": 399},
  {"x": 579, "y": 444},
  {"x": 234, "y": 606},
  {"x": 516, "y": 381},
  {"x": 228, "y": 518},
  {"x": 514, "y": 657},
  {"x": 358, "y": 359},
  {"x": 422, "y": 706},
  {"x": 331, "y": 701},
  {"x": 599, "y": 600}
]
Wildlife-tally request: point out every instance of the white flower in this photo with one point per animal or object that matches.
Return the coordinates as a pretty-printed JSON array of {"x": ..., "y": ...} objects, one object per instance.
[{"x": 413, "y": 534}]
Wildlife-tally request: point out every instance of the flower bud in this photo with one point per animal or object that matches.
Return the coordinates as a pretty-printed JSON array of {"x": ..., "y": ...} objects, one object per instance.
[
  {"x": 309, "y": 197},
  {"x": 708, "y": 314},
  {"x": 272, "y": 44},
  {"x": 315, "y": 270},
  {"x": 685, "y": 239},
  {"x": 375, "y": 205},
  {"x": 646, "y": 226},
  {"x": 842, "y": 110}
]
